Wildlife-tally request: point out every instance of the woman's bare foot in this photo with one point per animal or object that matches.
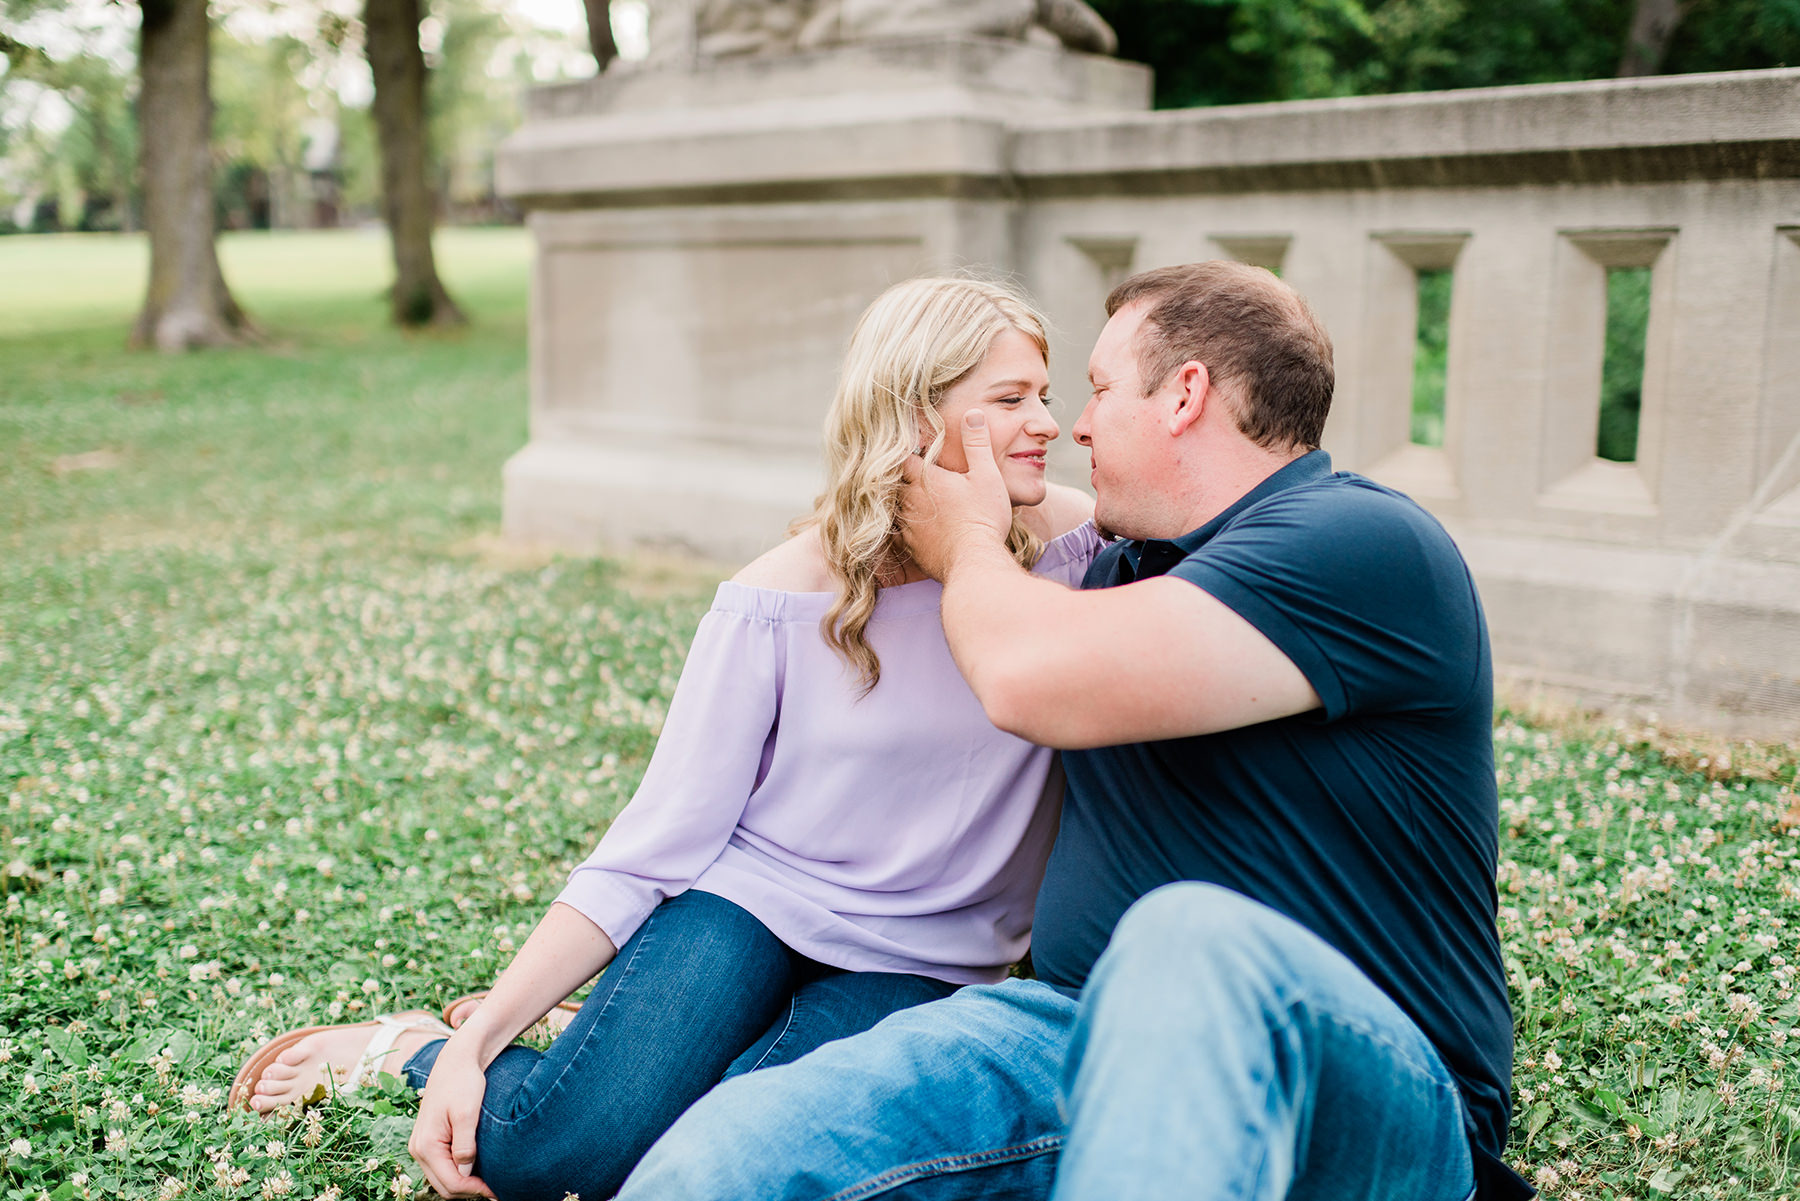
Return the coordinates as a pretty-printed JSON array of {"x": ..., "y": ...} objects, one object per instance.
[{"x": 298, "y": 1071}]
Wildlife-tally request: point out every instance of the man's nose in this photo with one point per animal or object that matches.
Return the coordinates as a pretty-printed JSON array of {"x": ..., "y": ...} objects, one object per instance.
[{"x": 1084, "y": 425}]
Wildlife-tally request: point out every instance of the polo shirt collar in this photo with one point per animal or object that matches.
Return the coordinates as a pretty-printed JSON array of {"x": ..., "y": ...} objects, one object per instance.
[{"x": 1155, "y": 556}]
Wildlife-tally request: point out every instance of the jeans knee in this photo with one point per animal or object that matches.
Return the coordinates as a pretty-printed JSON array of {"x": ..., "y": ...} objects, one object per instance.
[
  {"x": 1199, "y": 929},
  {"x": 1188, "y": 914}
]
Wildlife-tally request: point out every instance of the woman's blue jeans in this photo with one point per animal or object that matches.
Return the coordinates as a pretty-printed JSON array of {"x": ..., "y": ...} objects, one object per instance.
[
  {"x": 1220, "y": 1052},
  {"x": 702, "y": 991}
]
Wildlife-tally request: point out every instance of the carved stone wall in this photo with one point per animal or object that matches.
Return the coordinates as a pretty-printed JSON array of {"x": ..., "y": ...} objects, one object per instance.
[{"x": 707, "y": 238}]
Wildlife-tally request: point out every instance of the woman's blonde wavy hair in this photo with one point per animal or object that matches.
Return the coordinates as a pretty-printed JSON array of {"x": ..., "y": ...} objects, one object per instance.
[{"x": 910, "y": 347}]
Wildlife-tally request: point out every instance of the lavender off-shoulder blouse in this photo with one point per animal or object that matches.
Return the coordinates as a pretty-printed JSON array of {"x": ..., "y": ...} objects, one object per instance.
[{"x": 896, "y": 832}]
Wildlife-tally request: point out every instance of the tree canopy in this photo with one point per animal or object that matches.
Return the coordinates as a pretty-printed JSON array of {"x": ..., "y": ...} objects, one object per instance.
[{"x": 1238, "y": 51}]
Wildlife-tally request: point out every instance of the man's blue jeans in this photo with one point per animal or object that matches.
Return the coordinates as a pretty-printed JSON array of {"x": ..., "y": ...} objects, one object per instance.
[
  {"x": 702, "y": 991},
  {"x": 1220, "y": 1050}
]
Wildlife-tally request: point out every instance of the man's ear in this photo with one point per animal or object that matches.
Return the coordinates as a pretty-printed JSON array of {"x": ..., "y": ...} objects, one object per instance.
[{"x": 1192, "y": 387}]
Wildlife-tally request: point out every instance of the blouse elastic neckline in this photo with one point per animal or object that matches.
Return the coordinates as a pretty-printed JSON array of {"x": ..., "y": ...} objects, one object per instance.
[{"x": 775, "y": 604}]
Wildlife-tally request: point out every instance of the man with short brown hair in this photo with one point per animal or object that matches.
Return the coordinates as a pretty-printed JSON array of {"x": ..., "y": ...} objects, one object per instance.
[
  {"x": 1261, "y": 343},
  {"x": 1265, "y": 941}
]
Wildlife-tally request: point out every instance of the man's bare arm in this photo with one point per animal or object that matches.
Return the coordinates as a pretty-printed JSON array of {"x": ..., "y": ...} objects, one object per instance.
[{"x": 1156, "y": 659}]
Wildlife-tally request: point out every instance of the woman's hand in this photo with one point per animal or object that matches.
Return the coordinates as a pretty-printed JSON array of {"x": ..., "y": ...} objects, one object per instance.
[
  {"x": 563, "y": 953},
  {"x": 443, "y": 1137}
]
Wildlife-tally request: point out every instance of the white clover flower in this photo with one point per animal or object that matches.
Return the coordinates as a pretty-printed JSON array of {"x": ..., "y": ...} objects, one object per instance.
[{"x": 20, "y": 1147}]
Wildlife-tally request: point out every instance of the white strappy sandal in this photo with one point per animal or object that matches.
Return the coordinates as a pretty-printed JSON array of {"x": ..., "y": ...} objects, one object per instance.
[{"x": 388, "y": 1028}]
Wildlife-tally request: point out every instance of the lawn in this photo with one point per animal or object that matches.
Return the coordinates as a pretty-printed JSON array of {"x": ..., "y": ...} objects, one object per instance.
[{"x": 284, "y": 733}]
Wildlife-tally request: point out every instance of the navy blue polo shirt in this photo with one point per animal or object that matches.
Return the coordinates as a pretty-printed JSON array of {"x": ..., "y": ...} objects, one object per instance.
[{"x": 1372, "y": 821}]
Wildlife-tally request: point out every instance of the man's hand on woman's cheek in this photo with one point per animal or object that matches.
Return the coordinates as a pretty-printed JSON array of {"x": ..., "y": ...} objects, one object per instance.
[{"x": 945, "y": 512}]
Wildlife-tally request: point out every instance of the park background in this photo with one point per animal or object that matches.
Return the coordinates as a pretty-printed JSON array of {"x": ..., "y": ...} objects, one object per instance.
[{"x": 286, "y": 728}]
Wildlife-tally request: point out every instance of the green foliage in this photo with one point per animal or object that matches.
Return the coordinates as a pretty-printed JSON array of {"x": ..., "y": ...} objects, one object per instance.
[
  {"x": 1431, "y": 357},
  {"x": 1622, "y": 371},
  {"x": 259, "y": 128},
  {"x": 272, "y": 92},
  {"x": 278, "y": 744},
  {"x": 89, "y": 164},
  {"x": 1732, "y": 35},
  {"x": 1233, "y": 51},
  {"x": 468, "y": 113}
]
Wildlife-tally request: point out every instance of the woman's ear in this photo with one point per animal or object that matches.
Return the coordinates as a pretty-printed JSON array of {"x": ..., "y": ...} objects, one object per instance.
[
  {"x": 1192, "y": 390},
  {"x": 926, "y": 434}
]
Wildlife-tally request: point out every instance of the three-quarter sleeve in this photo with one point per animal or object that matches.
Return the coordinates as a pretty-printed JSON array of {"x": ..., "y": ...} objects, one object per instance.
[{"x": 706, "y": 764}]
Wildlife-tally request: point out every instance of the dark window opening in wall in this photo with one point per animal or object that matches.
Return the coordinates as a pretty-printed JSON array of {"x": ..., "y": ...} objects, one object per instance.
[
  {"x": 1431, "y": 354},
  {"x": 1622, "y": 373}
]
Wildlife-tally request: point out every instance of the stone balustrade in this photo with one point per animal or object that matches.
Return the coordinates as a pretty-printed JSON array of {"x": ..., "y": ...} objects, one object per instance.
[{"x": 706, "y": 240}]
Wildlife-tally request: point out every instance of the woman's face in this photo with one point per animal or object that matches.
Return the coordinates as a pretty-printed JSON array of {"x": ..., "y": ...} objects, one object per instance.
[{"x": 1011, "y": 387}]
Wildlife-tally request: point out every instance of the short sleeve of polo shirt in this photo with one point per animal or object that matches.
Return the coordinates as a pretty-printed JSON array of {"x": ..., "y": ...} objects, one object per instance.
[{"x": 1359, "y": 587}]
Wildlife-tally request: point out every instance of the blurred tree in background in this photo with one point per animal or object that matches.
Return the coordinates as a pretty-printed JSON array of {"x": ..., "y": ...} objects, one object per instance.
[
  {"x": 391, "y": 40},
  {"x": 293, "y": 139},
  {"x": 187, "y": 303}
]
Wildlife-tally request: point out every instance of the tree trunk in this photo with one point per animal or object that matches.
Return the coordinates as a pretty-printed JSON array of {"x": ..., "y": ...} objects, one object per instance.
[
  {"x": 187, "y": 304},
  {"x": 391, "y": 36},
  {"x": 600, "y": 34},
  {"x": 1653, "y": 25}
]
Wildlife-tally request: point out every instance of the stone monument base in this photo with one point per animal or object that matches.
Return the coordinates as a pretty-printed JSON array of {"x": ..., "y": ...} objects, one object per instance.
[{"x": 706, "y": 240}]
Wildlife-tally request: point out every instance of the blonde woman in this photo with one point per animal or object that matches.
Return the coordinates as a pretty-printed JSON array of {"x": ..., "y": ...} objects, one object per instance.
[{"x": 829, "y": 831}]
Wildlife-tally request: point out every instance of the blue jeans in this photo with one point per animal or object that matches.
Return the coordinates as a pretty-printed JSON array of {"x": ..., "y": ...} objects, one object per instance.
[
  {"x": 1220, "y": 1050},
  {"x": 702, "y": 991}
]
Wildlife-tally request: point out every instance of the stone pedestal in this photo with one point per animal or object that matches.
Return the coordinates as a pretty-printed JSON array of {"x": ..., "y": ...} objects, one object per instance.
[{"x": 706, "y": 240}]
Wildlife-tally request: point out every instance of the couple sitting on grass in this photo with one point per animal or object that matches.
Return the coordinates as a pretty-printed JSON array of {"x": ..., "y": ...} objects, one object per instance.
[{"x": 1264, "y": 939}]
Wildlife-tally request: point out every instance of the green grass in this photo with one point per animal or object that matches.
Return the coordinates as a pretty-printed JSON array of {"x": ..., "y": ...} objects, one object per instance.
[
  {"x": 277, "y": 738},
  {"x": 281, "y": 739}
]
